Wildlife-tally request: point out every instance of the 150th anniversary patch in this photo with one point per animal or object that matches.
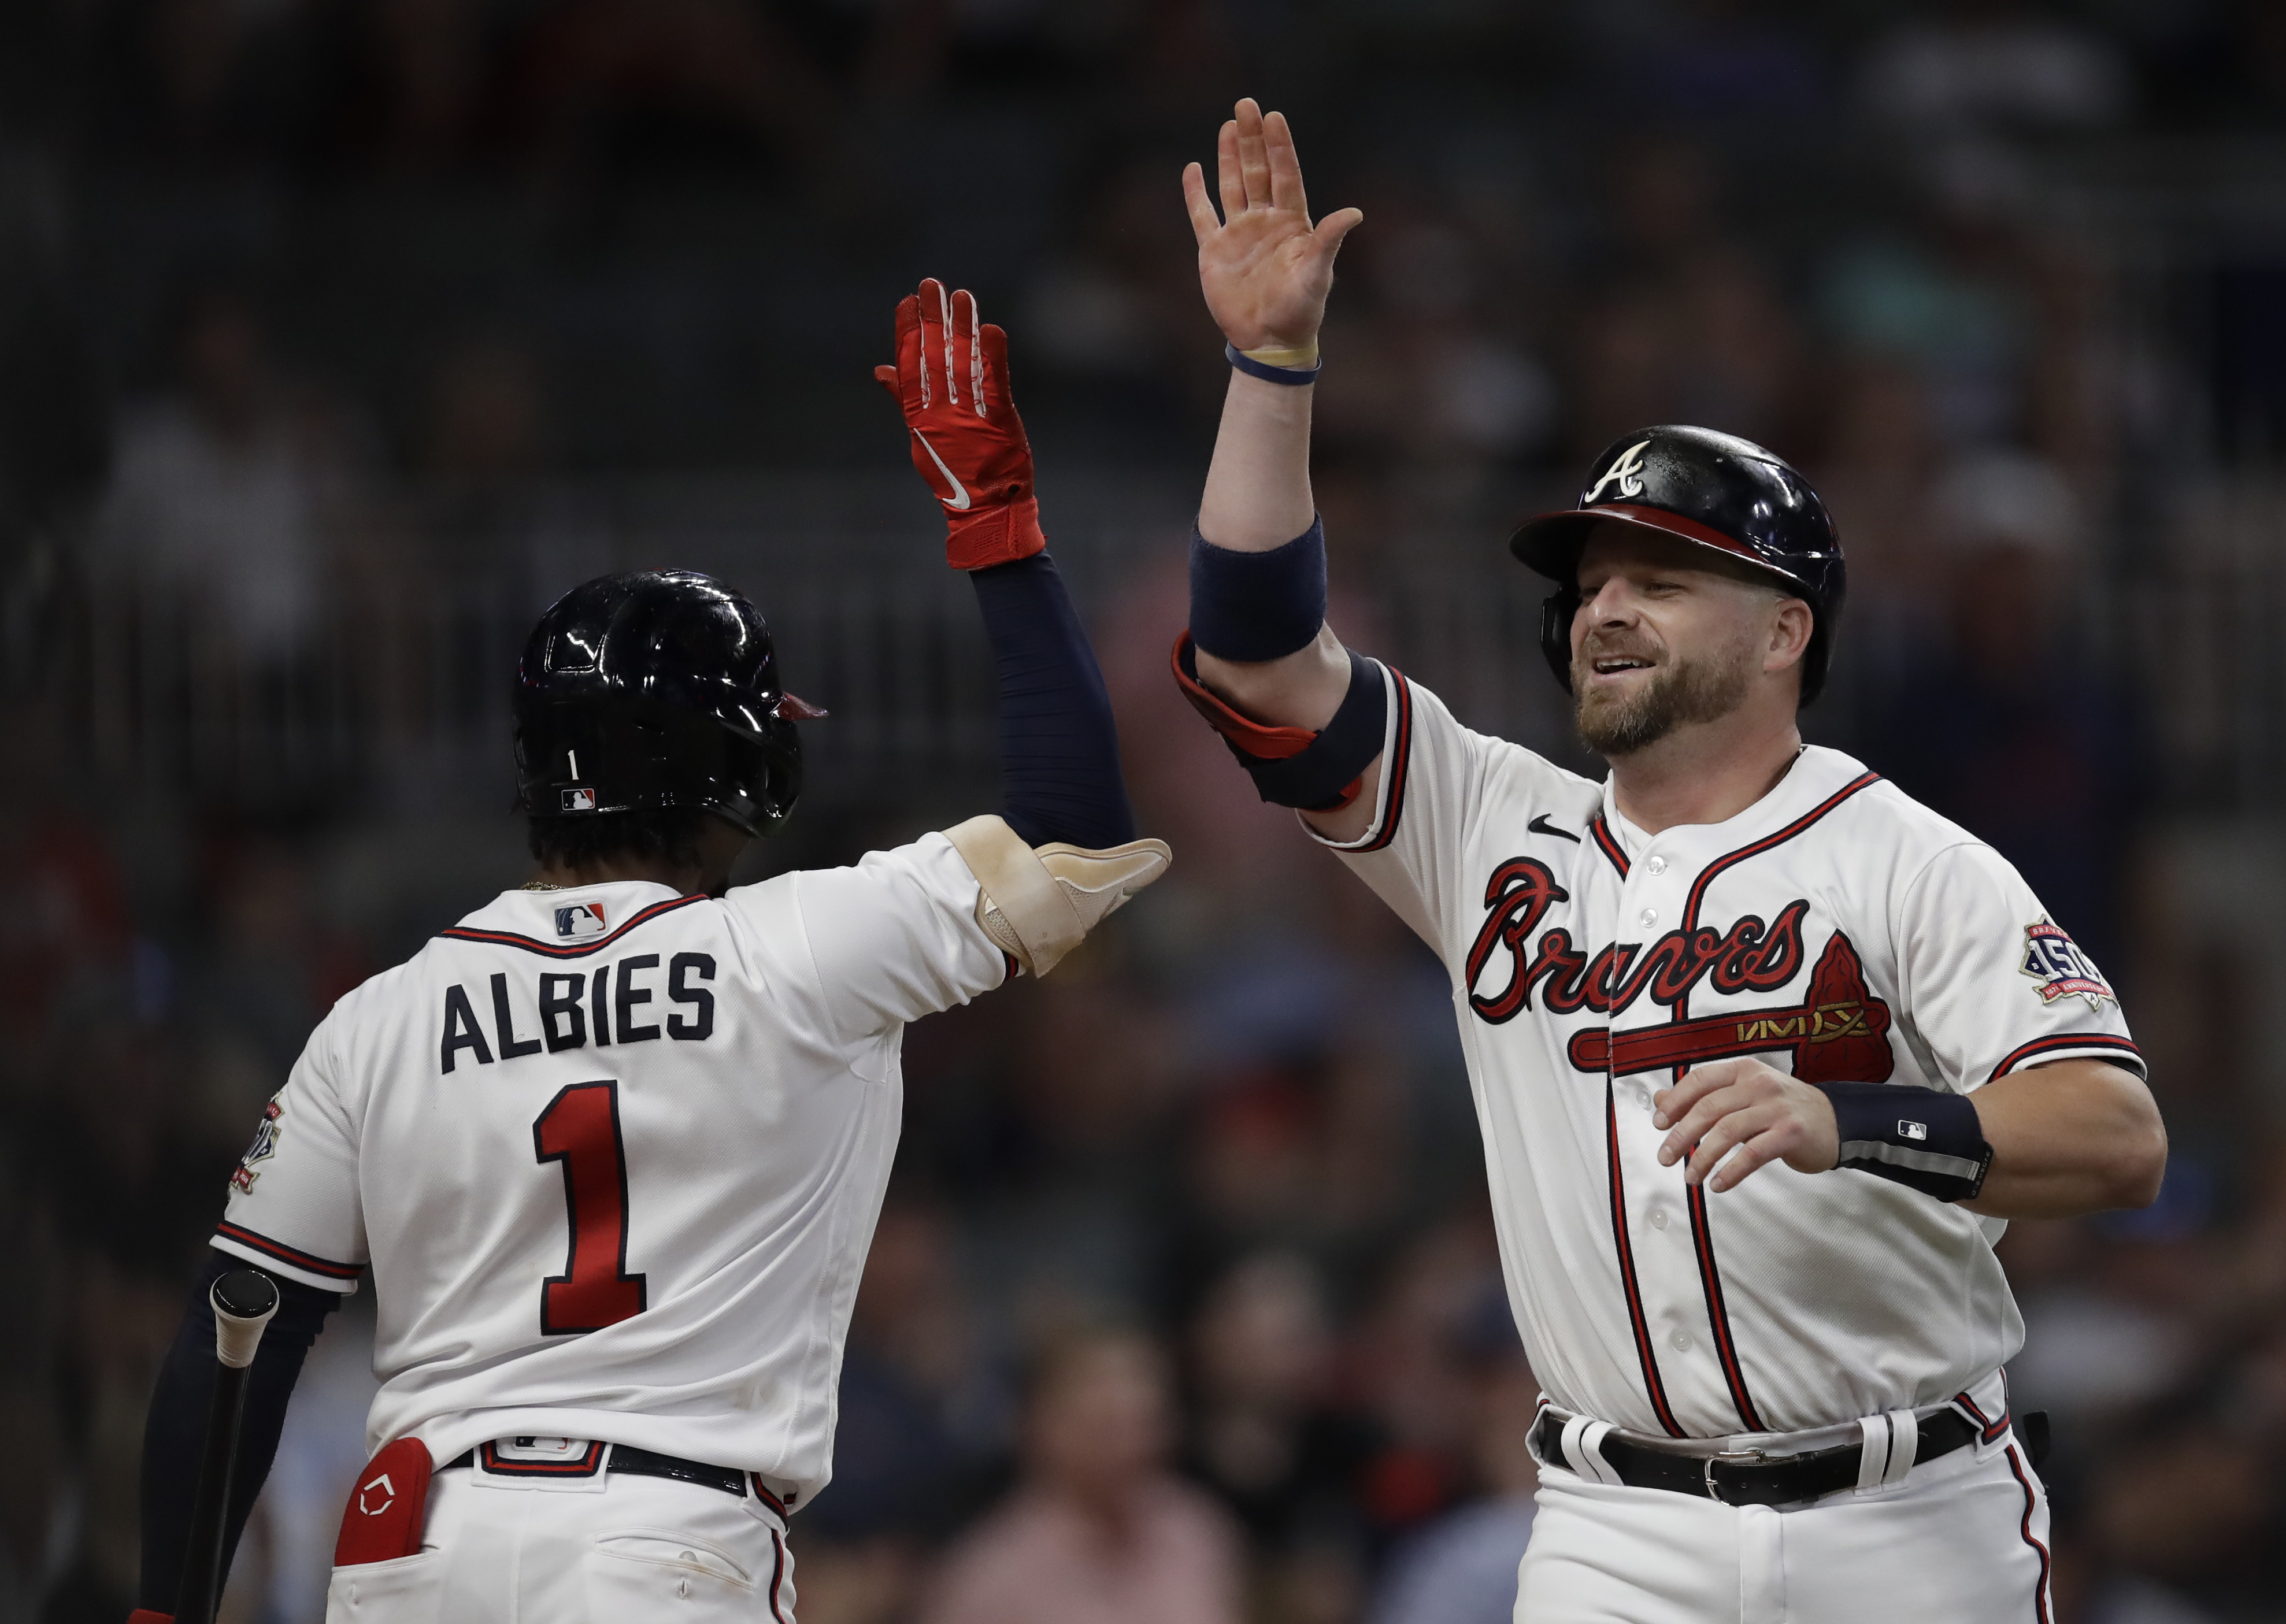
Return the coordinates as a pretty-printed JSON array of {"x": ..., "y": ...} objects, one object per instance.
[
  {"x": 265, "y": 1146},
  {"x": 2054, "y": 960}
]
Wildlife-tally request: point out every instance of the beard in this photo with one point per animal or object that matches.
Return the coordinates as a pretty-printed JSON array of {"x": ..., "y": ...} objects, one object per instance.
[{"x": 1678, "y": 694}]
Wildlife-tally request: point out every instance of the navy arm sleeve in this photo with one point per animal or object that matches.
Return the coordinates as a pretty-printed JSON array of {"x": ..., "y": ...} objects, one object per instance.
[
  {"x": 1060, "y": 775},
  {"x": 173, "y": 1433}
]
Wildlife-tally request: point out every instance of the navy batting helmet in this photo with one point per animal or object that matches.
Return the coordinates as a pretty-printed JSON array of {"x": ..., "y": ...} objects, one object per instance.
[
  {"x": 1713, "y": 489},
  {"x": 656, "y": 690}
]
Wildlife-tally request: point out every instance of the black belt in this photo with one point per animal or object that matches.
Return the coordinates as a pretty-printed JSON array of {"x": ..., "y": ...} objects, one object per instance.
[
  {"x": 622, "y": 1458},
  {"x": 1748, "y": 1477}
]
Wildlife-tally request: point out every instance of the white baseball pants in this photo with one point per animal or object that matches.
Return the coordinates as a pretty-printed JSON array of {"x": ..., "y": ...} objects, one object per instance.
[
  {"x": 616, "y": 1548},
  {"x": 1963, "y": 1540}
]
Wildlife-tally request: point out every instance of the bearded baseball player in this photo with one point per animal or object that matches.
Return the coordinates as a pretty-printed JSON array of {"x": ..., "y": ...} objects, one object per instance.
[
  {"x": 1763, "y": 1052},
  {"x": 613, "y": 1146}
]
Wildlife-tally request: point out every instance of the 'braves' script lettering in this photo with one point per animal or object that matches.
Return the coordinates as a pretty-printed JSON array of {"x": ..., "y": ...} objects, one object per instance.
[{"x": 1749, "y": 956}]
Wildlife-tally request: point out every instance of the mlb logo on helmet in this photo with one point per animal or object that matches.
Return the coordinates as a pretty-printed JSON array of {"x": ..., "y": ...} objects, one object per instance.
[
  {"x": 580, "y": 919},
  {"x": 578, "y": 801}
]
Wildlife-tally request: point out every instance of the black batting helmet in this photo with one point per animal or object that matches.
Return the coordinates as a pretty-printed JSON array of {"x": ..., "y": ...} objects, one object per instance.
[
  {"x": 1715, "y": 489},
  {"x": 654, "y": 690}
]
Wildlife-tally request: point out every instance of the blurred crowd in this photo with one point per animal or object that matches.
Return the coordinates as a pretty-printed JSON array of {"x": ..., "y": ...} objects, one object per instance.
[{"x": 315, "y": 314}]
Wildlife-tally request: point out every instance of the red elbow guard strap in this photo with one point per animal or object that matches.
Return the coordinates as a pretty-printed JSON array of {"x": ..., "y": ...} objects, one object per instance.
[{"x": 1316, "y": 772}]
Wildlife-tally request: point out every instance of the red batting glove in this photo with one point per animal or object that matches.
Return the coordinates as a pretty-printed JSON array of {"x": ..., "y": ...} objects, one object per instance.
[{"x": 952, "y": 382}]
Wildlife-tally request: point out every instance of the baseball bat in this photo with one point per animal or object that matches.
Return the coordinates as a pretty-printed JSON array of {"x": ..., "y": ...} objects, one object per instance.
[{"x": 243, "y": 1301}]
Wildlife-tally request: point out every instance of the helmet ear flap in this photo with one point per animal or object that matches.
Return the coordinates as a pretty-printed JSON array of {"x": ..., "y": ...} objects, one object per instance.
[{"x": 1556, "y": 616}]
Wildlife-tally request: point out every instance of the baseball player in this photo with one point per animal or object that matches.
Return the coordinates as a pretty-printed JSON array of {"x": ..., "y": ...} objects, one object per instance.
[
  {"x": 613, "y": 1146},
  {"x": 1763, "y": 1052}
]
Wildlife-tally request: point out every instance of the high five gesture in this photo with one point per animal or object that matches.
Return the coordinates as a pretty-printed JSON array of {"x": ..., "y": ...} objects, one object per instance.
[{"x": 1264, "y": 271}]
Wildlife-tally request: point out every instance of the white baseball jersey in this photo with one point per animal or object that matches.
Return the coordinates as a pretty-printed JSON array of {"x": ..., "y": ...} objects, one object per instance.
[
  {"x": 1836, "y": 930},
  {"x": 615, "y": 1155}
]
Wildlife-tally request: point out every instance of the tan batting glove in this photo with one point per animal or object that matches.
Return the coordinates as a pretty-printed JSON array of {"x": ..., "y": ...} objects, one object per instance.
[{"x": 1038, "y": 904}]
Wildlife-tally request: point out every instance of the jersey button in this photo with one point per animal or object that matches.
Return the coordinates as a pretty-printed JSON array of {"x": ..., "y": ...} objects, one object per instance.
[
  {"x": 1649, "y": 917},
  {"x": 1659, "y": 1220},
  {"x": 1683, "y": 1342},
  {"x": 1656, "y": 865}
]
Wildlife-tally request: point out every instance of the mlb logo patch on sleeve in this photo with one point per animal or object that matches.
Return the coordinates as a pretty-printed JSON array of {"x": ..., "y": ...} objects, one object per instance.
[
  {"x": 2054, "y": 960},
  {"x": 580, "y": 919}
]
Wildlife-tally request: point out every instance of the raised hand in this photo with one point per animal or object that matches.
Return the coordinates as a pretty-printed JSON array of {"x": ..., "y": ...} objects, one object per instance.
[
  {"x": 1265, "y": 272},
  {"x": 951, "y": 380}
]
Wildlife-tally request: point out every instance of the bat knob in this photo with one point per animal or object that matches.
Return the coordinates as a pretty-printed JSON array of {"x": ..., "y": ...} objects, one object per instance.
[{"x": 243, "y": 1301}]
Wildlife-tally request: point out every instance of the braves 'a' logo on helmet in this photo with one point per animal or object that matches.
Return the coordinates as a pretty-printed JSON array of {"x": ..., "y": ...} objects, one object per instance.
[{"x": 1626, "y": 470}]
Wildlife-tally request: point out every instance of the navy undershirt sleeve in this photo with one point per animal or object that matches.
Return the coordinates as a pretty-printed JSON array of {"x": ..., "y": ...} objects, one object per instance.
[
  {"x": 173, "y": 1433},
  {"x": 1060, "y": 777}
]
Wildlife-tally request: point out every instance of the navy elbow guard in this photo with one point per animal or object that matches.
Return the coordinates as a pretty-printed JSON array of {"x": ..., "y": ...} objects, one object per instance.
[
  {"x": 1920, "y": 1138},
  {"x": 1315, "y": 771}
]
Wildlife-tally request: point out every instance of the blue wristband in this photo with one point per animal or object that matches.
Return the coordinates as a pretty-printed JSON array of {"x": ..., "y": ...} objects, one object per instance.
[
  {"x": 1921, "y": 1138},
  {"x": 1252, "y": 368},
  {"x": 1254, "y": 607}
]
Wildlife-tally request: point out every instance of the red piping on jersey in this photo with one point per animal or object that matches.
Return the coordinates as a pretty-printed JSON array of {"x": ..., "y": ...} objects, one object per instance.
[
  {"x": 2040, "y": 1594},
  {"x": 764, "y": 1495},
  {"x": 509, "y": 938},
  {"x": 587, "y": 1465},
  {"x": 1987, "y": 1429},
  {"x": 1726, "y": 1351},
  {"x": 2066, "y": 1040},
  {"x": 777, "y": 1575},
  {"x": 1651, "y": 1384},
  {"x": 1718, "y": 1315},
  {"x": 1400, "y": 755},
  {"x": 1707, "y": 874},
  {"x": 1611, "y": 847},
  {"x": 284, "y": 1253}
]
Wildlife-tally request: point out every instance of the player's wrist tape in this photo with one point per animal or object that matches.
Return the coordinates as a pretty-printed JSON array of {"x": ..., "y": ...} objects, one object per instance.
[
  {"x": 1289, "y": 366},
  {"x": 1255, "y": 607},
  {"x": 1316, "y": 772},
  {"x": 1920, "y": 1138},
  {"x": 1038, "y": 904}
]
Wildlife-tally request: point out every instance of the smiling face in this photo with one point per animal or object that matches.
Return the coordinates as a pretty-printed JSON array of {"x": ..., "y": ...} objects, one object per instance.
[{"x": 1669, "y": 634}]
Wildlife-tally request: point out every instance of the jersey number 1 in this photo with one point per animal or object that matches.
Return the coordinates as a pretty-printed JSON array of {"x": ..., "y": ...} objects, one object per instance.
[{"x": 580, "y": 1128}]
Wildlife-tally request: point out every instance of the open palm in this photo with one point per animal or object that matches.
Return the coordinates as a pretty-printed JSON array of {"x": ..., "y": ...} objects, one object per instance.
[{"x": 1265, "y": 272}]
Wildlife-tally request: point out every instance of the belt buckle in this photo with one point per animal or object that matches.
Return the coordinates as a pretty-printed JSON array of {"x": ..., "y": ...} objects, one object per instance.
[{"x": 1743, "y": 1457}]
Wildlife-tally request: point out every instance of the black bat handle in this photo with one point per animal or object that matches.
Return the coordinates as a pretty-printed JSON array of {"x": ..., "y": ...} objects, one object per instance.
[{"x": 243, "y": 1301}]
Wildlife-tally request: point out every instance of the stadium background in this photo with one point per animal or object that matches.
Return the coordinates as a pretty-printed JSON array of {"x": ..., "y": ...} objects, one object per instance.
[{"x": 336, "y": 337}]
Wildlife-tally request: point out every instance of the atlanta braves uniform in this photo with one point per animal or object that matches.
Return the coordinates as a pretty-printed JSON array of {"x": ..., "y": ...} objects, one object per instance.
[
  {"x": 614, "y": 1150},
  {"x": 1836, "y": 930},
  {"x": 614, "y": 1156}
]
